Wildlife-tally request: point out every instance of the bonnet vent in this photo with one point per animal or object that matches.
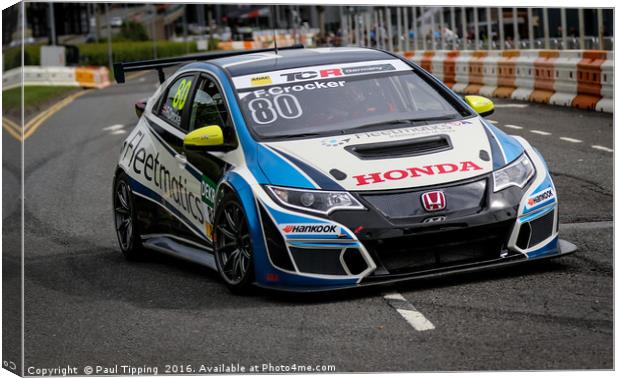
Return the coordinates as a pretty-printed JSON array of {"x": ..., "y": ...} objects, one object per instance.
[{"x": 401, "y": 148}]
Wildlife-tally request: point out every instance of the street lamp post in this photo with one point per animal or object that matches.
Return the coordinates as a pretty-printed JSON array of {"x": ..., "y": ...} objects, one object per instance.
[
  {"x": 500, "y": 20},
  {"x": 441, "y": 26},
  {"x": 546, "y": 26},
  {"x": 153, "y": 15},
  {"x": 52, "y": 24},
  {"x": 464, "y": 26},
  {"x": 107, "y": 21},
  {"x": 530, "y": 27},
  {"x": 515, "y": 27},
  {"x": 489, "y": 31}
]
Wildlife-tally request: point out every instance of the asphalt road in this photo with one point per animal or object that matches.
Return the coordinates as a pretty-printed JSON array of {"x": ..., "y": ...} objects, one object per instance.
[{"x": 86, "y": 305}]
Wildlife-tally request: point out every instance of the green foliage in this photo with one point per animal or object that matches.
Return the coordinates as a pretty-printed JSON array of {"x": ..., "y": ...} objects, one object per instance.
[
  {"x": 12, "y": 56},
  {"x": 34, "y": 96},
  {"x": 96, "y": 54},
  {"x": 132, "y": 31}
]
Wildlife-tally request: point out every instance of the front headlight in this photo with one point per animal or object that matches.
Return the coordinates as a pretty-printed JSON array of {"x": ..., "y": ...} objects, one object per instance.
[
  {"x": 517, "y": 173},
  {"x": 318, "y": 201}
]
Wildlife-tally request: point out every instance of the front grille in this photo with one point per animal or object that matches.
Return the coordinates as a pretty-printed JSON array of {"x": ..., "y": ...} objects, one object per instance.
[
  {"x": 542, "y": 228},
  {"x": 461, "y": 200},
  {"x": 441, "y": 249},
  {"x": 318, "y": 260},
  {"x": 535, "y": 231}
]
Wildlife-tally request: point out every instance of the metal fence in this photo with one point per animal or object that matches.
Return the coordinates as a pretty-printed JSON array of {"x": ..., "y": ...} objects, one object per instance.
[{"x": 463, "y": 28}]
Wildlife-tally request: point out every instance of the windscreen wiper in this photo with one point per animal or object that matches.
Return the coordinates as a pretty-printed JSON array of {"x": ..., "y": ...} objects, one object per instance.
[
  {"x": 295, "y": 136},
  {"x": 408, "y": 121}
]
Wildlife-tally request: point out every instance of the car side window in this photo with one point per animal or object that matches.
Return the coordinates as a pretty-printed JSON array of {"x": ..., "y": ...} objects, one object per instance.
[
  {"x": 175, "y": 100},
  {"x": 209, "y": 107}
]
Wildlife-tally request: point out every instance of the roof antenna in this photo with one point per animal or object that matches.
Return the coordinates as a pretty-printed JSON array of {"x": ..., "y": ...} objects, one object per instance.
[{"x": 273, "y": 28}]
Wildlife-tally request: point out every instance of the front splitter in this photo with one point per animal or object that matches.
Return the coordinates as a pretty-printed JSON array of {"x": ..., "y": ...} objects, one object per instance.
[{"x": 564, "y": 248}]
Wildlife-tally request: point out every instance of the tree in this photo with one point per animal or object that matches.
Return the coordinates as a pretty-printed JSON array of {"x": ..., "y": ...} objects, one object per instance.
[{"x": 132, "y": 31}]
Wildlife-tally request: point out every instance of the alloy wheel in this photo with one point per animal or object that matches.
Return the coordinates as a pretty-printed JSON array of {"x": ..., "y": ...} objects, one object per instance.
[
  {"x": 233, "y": 246},
  {"x": 123, "y": 215}
]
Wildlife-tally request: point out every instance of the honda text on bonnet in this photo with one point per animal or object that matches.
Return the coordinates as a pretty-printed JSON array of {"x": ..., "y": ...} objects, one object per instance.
[{"x": 320, "y": 169}]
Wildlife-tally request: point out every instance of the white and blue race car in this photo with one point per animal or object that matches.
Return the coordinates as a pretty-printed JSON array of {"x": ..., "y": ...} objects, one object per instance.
[{"x": 320, "y": 169}]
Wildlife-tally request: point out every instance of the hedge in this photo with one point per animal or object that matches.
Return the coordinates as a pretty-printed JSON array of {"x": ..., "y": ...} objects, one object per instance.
[
  {"x": 12, "y": 56},
  {"x": 96, "y": 54}
]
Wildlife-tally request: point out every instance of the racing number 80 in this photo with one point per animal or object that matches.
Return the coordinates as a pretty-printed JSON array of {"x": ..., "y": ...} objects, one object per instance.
[
  {"x": 264, "y": 111},
  {"x": 178, "y": 102}
]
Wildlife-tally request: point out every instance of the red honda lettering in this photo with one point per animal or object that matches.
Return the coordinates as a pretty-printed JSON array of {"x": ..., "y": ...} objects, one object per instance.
[
  {"x": 396, "y": 174},
  {"x": 469, "y": 165},
  {"x": 442, "y": 168},
  {"x": 427, "y": 170},
  {"x": 371, "y": 178}
]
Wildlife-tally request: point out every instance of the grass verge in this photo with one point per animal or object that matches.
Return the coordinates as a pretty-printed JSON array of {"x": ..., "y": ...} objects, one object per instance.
[{"x": 34, "y": 97}]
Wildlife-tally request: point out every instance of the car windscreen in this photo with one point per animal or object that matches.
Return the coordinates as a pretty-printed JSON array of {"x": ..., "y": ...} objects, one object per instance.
[{"x": 338, "y": 98}]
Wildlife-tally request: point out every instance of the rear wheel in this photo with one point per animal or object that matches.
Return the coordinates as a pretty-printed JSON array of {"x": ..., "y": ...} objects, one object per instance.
[
  {"x": 125, "y": 220},
  {"x": 232, "y": 245}
]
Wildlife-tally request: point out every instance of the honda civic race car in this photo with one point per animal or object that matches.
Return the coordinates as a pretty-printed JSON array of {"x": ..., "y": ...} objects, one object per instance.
[{"x": 319, "y": 169}]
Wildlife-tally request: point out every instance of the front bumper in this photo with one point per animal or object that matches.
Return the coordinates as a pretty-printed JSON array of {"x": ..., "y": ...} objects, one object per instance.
[
  {"x": 562, "y": 248},
  {"x": 394, "y": 240},
  {"x": 371, "y": 248}
]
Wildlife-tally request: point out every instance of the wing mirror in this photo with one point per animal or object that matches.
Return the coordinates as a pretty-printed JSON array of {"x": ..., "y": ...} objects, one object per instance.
[
  {"x": 139, "y": 106},
  {"x": 482, "y": 105},
  {"x": 209, "y": 138}
]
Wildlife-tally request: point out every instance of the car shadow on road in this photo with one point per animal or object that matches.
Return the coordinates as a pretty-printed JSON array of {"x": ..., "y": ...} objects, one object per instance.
[
  {"x": 99, "y": 273},
  {"x": 526, "y": 269}
]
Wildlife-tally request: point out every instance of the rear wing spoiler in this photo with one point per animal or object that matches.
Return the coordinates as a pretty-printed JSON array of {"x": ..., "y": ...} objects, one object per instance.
[{"x": 159, "y": 64}]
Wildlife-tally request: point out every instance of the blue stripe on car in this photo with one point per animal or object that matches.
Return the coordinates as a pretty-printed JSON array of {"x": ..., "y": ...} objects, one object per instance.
[
  {"x": 281, "y": 172},
  {"x": 543, "y": 185},
  {"x": 511, "y": 147},
  {"x": 550, "y": 249},
  {"x": 322, "y": 180},
  {"x": 529, "y": 217},
  {"x": 499, "y": 160}
]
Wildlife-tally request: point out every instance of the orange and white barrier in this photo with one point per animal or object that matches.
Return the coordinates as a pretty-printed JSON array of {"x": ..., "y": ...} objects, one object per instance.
[
  {"x": 260, "y": 41},
  {"x": 92, "y": 77},
  {"x": 86, "y": 77},
  {"x": 237, "y": 45},
  {"x": 577, "y": 78}
]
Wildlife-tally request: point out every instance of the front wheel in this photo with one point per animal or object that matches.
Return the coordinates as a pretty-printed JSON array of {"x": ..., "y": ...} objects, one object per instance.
[{"x": 232, "y": 245}]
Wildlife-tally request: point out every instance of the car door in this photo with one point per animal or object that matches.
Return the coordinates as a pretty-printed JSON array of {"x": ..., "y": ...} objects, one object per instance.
[
  {"x": 176, "y": 182},
  {"x": 209, "y": 108}
]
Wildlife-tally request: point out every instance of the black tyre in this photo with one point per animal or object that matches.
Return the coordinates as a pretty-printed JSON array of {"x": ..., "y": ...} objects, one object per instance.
[
  {"x": 125, "y": 220},
  {"x": 232, "y": 245}
]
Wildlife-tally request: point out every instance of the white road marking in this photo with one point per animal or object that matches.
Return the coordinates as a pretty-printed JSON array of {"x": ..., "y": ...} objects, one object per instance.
[
  {"x": 408, "y": 312},
  {"x": 113, "y": 127},
  {"x": 540, "y": 132},
  {"x": 514, "y": 127},
  {"x": 572, "y": 140},
  {"x": 511, "y": 105},
  {"x": 116, "y": 132},
  {"x": 602, "y": 148},
  {"x": 492, "y": 121}
]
